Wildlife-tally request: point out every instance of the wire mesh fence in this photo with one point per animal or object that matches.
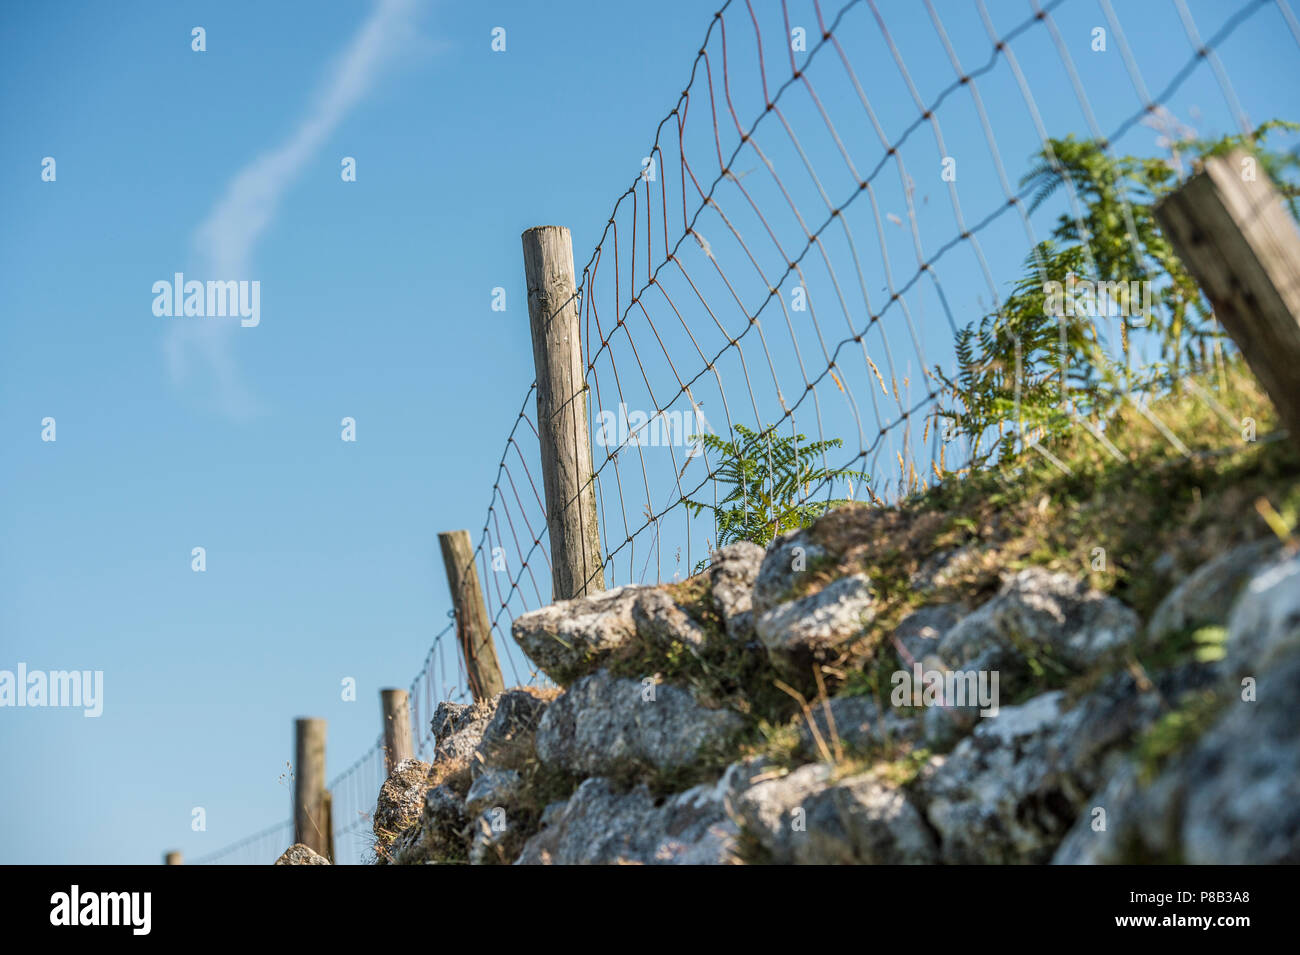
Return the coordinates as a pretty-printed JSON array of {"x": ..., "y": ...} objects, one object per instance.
[
  {"x": 257, "y": 849},
  {"x": 851, "y": 229},
  {"x": 354, "y": 790},
  {"x": 777, "y": 316}
]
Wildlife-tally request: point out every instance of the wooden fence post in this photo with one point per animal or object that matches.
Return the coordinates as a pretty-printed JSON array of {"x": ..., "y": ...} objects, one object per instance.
[
  {"x": 1236, "y": 238},
  {"x": 554, "y": 317},
  {"x": 173, "y": 858},
  {"x": 473, "y": 632},
  {"x": 311, "y": 824},
  {"x": 397, "y": 728}
]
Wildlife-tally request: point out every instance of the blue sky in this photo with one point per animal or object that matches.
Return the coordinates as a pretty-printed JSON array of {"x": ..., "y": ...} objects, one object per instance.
[{"x": 322, "y": 558}]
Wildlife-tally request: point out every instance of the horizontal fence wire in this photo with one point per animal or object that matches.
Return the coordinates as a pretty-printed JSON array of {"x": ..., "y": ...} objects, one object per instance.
[
  {"x": 771, "y": 276},
  {"x": 257, "y": 849}
]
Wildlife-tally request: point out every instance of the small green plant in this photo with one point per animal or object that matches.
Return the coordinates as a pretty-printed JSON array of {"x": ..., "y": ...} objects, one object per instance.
[
  {"x": 1013, "y": 366},
  {"x": 1027, "y": 369},
  {"x": 1175, "y": 731},
  {"x": 769, "y": 479}
]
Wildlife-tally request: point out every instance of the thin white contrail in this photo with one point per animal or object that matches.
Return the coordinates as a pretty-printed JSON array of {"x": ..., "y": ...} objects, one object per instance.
[{"x": 225, "y": 239}]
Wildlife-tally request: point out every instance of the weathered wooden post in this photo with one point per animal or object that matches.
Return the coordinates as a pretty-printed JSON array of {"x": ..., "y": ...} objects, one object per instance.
[
  {"x": 311, "y": 824},
  {"x": 173, "y": 858},
  {"x": 1228, "y": 225},
  {"x": 554, "y": 317},
  {"x": 473, "y": 632},
  {"x": 397, "y": 728}
]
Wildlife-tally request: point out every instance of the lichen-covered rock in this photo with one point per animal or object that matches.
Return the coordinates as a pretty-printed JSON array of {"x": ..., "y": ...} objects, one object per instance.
[
  {"x": 1241, "y": 782},
  {"x": 1124, "y": 822},
  {"x": 440, "y": 835},
  {"x": 299, "y": 854},
  {"x": 1183, "y": 772},
  {"x": 493, "y": 787},
  {"x": 941, "y": 569},
  {"x": 401, "y": 798},
  {"x": 942, "y": 727},
  {"x": 787, "y": 558},
  {"x": 494, "y": 839},
  {"x": 1232, "y": 795},
  {"x": 599, "y": 825},
  {"x": 1232, "y": 798},
  {"x": 1264, "y": 625},
  {"x": 1206, "y": 596},
  {"x": 458, "y": 728},
  {"x": 856, "y": 722},
  {"x": 552, "y": 813},
  {"x": 812, "y": 627},
  {"x": 512, "y": 727},
  {"x": 1010, "y": 791},
  {"x": 809, "y": 818},
  {"x": 443, "y": 809},
  {"x": 1039, "y": 613},
  {"x": 972, "y": 795},
  {"x": 571, "y": 638},
  {"x": 604, "y": 725},
  {"x": 732, "y": 574},
  {"x": 918, "y": 635},
  {"x": 661, "y": 622}
]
